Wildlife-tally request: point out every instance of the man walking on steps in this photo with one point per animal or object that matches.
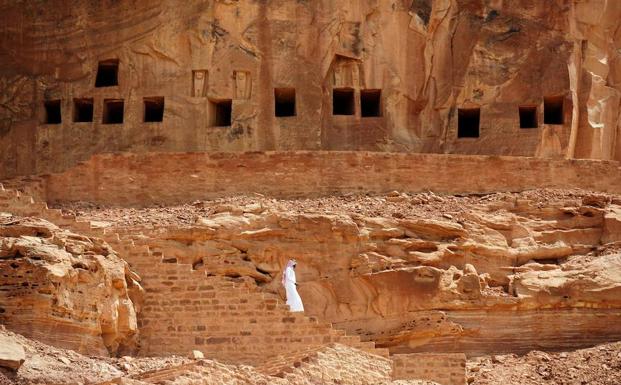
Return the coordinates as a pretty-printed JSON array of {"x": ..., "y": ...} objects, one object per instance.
[{"x": 289, "y": 282}]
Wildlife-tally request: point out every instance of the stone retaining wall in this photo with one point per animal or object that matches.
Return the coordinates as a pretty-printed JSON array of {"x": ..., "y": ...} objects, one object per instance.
[{"x": 172, "y": 178}]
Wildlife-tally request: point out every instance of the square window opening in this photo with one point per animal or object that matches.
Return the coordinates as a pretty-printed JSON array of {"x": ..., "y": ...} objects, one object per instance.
[
  {"x": 113, "y": 111},
  {"x": 343, "y": 101},
  {"x": 52, "y": 112},
  {"x": 284, "y": 102},
  {"x": 154, "y": 109},
  {"x": 82, "y": 110},
  {"x": 468, "y": 120},
  {"x": 370, "y": 103},
  {"x": 528, "y": 117},
  {"x": 107, "y": 73},
  {"x": 221, "y": 111},
  {"x": 553, "y": 110}
]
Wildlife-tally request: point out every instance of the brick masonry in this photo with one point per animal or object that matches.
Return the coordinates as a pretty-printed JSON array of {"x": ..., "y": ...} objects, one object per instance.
[
  {"x": 445, "y": 369},
  {"x": 186, "y": 309},
  {"x": 171, "y": 178}
]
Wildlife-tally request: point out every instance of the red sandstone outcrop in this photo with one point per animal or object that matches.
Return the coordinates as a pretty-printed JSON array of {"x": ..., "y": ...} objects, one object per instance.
[
  {"x": 537, "y": 78},
  {"x": 414, "y": 278},
  {"x": 66, "y": 289},
  {"x": 412, "y": 272}
]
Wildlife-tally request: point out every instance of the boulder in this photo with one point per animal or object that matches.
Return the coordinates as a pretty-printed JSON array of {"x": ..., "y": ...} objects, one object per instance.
[{"x": 12, "y": 354}]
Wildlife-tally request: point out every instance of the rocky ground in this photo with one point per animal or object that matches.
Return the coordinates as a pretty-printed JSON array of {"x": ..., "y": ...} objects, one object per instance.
[
  {"x": 395, "y": 204},
  {"x": 600, "y": 365},
  {"x": 40, "y": 364},
  {"x": 562, "y": 247},
  {"x": 55, "y": 279},
  {"x": 45, "y": 364}
]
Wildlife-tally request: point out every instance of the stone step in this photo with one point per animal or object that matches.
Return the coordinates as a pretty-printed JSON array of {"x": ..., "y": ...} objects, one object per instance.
[{"x": 156, "y": 376}]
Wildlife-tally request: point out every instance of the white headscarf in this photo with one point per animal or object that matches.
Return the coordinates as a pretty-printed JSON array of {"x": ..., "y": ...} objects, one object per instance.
[{"x": 290, "y": 263}]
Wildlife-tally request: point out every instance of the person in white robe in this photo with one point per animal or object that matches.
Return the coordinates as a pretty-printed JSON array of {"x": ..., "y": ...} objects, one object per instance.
[{"x": 289, "y": 282}]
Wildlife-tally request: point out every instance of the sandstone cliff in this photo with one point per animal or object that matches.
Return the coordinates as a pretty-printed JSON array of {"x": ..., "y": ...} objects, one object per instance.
[
  {"x": 66, "y": 289},
  {"x": 533, "y": 78}
]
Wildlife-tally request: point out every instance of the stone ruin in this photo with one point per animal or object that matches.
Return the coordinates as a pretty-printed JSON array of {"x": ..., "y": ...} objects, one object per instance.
[{"x": 445, "y": 171}]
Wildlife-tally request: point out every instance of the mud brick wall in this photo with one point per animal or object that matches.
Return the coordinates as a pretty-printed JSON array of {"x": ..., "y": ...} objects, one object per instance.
[
  {"x": 445, "y": 369},
  {"x": 171, "y": 178}
]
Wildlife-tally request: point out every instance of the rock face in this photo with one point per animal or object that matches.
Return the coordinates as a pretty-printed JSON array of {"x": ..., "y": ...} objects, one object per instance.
[
  {"x": 66, "y": 289},
  {"x": 460, "y": 76},
  {"x": 418, "y": 273}
]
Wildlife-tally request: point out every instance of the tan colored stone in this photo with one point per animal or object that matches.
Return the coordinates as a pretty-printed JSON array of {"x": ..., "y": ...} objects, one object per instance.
[
  {"x": 75, "y": 283},
  {"x": 12, "y": 354},
  {"x": 197, "y": 355}
]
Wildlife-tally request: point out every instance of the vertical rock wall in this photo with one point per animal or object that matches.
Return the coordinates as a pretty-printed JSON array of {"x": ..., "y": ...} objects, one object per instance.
[{"x": 360, "y": 75}]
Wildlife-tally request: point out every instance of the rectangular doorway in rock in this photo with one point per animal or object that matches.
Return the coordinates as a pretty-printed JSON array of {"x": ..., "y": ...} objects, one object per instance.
[
  {"x": 83, "y": 110},
  {"x": 370, "y": 103},
  {"x": 284, "y": 102},
  {"x": 528, "y": 117},
  {"x": 468, "y": 121},
  {"x": 553, "y": 110},
  {"x": 107, "y": 73},
  {"x": 52, "y": 112},
  {"x": 154, "y": 109},
  {"x": 113, "y": 110},
  {"x": 220, "y": 112},
  {"x": 343, "y": 101}
]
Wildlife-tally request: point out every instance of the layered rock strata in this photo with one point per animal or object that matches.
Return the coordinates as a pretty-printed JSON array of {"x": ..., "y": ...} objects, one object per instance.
[
  {"x": 66, "y": 289},
  {"x": 473, "y": 281},
  {"x": 460, "y": 76}
]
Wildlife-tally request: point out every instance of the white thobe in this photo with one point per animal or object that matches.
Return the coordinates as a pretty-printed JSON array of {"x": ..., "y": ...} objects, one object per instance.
[{"x": 293, "y": 298}]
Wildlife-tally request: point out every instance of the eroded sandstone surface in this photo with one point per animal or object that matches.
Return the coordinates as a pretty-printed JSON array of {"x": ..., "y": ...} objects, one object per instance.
[
  {"x": 533, "y": 78},
  {"x": 413, "y": 272},
  {"x": 66, "y": 289},
  {"x": 162, "y": 160},
  {"x": 422, "y": 276}
]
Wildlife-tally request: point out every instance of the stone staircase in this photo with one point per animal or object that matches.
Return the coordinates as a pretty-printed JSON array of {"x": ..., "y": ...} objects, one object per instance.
[
  {"x": 227, "y": 319},
  {"x": 157, "y": 376},
  {"x": 287, "y": 363},
  {"x": 187, "y": 309},
  {"x": 167, "y": 374}
]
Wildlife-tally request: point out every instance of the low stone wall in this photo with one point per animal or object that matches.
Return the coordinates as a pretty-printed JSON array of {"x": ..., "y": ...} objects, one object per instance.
[
  {"x": 445, "y": 369},
  {"x": 171, "y": 178}
]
